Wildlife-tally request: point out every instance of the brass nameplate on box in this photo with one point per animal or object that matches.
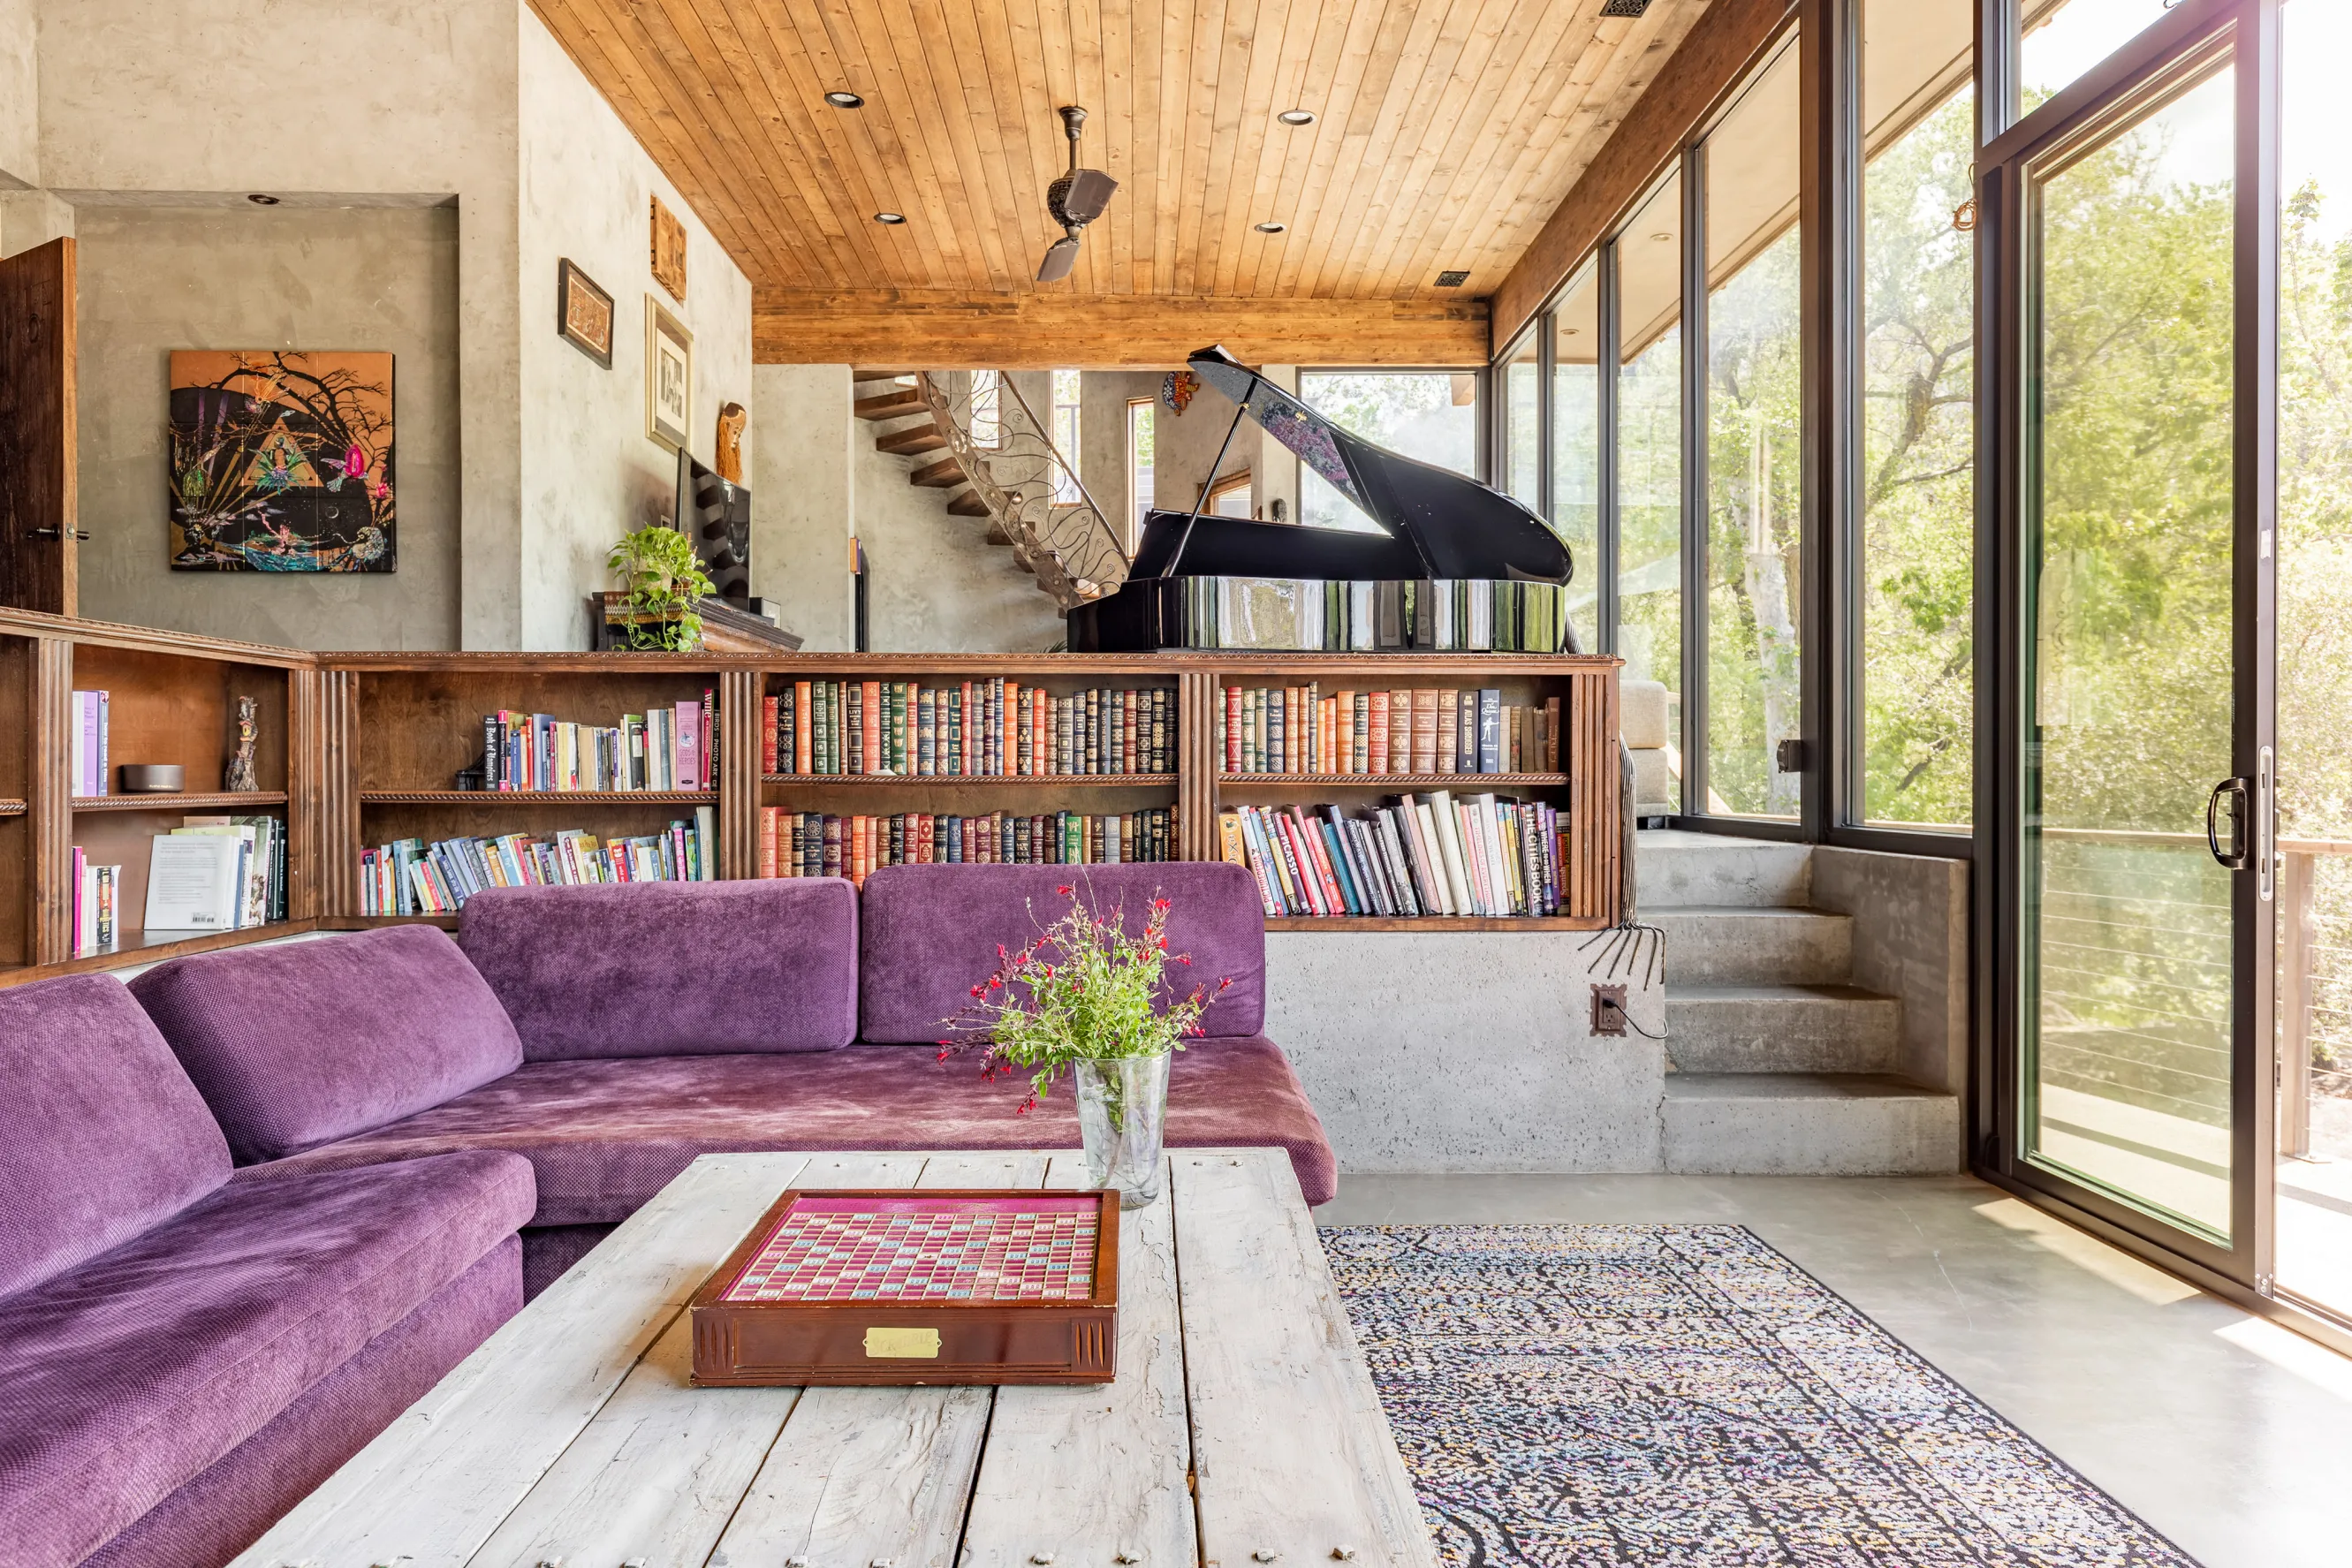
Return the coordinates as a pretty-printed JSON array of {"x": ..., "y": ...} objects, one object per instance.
[{"x": 907, "y": 1345}]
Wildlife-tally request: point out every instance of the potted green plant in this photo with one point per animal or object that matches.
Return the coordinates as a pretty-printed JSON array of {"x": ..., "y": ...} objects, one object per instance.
[
  {"x": 661, "y": 579},
  {"x": 1092, "y": 999}
]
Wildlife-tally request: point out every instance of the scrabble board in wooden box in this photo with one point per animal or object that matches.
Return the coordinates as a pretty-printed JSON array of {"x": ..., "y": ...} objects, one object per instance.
[{"x": 900, "y": 1286}]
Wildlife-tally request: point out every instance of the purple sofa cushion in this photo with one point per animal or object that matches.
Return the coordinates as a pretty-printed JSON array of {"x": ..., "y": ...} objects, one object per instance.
[
  {"x": 101, "y": 1134},
  {"x": 298, "y": 1043},
  {"x": 931, "y": 933},
  {"x": 125, "y": 1378},
  {"x": 671, "y": 969},
  {"x": 224, "y": 1509},
  {"x": 604, "y": 1136}
]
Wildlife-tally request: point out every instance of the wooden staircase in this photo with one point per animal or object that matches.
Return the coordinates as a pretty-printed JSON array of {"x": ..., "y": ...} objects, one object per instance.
[{"x": 1070, "y": 548}]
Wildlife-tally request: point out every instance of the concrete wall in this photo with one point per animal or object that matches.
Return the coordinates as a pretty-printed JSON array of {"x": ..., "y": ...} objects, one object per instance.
[
  {"x": 20, "y": 96},
  {"x": 590, "y": 472},
  {"x": 934, "y": 583},
  {"x": 1466, "y": 1050},
  {"x": 157, "y": 278},
  {"x": 1185, "y": 443},
  {"x": 139, "y": 101},
  {"x": 801, "y": 500},
  {"x": 1911, "y": 941}
]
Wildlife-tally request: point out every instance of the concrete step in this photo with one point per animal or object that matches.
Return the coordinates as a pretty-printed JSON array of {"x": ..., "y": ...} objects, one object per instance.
[
  {"x": 1806, "y": 1123},
  {"x": 1674, "y": 868},
  {"x": 1781, "y": 1028},
  {"x": 1735, "y": 945}
]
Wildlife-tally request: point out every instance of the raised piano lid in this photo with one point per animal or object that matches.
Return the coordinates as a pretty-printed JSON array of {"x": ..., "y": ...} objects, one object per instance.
[{"x": 1434, "y": 522}]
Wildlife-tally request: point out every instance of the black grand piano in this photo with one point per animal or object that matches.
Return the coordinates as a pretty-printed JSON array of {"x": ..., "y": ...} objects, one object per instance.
[{"x": 1456, "y": 565}]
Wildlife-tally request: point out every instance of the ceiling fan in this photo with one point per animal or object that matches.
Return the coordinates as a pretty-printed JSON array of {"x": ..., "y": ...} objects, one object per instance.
[{"x": 1075, "y": 200}]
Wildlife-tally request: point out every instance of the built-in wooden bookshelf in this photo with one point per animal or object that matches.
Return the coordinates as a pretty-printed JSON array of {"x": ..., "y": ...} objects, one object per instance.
[{"x": 360, "y": 749}]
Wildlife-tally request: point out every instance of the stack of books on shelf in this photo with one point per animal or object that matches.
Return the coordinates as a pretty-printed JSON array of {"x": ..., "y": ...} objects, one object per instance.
[
  {"x": 1420, "y": 856},
  {"x": 412, "y": 877},
  {"x": 95, "y": 889},
  {"x": 217, "y": 874},
  {"x": 670, "y": 748},
  {"x": 91, "y": 771},
  {"x": 1277, "y": 615},
  {"x": 807, "y": 843},
  {"x": 991, "y": 727},
  {"x": 1297, "y": 729}
]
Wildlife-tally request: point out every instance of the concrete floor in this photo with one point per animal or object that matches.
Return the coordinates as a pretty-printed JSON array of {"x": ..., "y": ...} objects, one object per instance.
[{"x": 2230, "y": 1435}]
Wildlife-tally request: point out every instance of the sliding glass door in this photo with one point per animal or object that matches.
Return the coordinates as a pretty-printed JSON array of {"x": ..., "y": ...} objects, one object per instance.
[{"x": 2135, "y": 509}]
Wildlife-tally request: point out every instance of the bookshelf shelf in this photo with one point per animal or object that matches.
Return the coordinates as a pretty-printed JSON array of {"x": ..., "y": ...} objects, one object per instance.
[
  {"x": 1398, "y": 780},
  {"x": 370, "y": 922},
  {"x": 537, "y": 796},
  {"x": 216, "y": 801},
  {"x": 1433, "y": 923},
  {"x": 971, "y": 780},
  {"x": 154, "y": 947}
]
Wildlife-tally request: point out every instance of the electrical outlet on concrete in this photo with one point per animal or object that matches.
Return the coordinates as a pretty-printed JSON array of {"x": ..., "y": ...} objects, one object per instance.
[{"x": 1608, "y": 1008}]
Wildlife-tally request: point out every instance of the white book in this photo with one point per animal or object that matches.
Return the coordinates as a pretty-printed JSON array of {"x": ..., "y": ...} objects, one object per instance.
[
  {"x": 193, "y": 882},
  {"x": 705, "y": 840}
]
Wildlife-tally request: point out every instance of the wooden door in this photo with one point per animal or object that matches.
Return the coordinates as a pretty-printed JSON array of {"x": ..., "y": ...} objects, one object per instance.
[{"x": 36, "y": 429}]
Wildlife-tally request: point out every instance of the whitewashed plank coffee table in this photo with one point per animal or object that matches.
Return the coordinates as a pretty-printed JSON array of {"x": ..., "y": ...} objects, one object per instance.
[{"x": 1243, "y": 1428}]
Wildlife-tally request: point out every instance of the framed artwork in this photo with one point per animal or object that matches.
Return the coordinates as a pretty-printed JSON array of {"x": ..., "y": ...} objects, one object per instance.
[
  {"x": 669, "y": 376},
  {"x": 584, "y": 313},
  {"x": 281, "y": 461},
  {"x": 669, "y": 252}
]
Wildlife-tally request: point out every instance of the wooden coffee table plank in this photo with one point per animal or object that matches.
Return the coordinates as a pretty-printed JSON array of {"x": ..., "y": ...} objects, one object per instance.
[
  {"x": 434, "y": 1484},
  {"x": 1084, "y": 1474},
  {"x": 860, "y": 1475},
  {"x": 1291, "y": 1451},
  {"x": 660, "y": 1471}
]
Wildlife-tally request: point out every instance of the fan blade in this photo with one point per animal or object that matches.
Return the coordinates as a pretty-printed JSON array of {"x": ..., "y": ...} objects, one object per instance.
[
  {"x": 1060, "y": 257},
  {"x": 1089, "y": 193}
]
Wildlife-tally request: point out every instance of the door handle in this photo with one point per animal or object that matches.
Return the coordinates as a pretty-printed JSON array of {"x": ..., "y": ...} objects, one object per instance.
[{"x": 2235, "y": 788}]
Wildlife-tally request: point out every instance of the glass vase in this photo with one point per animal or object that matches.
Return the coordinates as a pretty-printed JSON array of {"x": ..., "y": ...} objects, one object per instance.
[{"x": 1122, "y": 1113}]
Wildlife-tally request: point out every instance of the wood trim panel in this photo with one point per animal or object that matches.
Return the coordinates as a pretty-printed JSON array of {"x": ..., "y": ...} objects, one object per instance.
[
  {"x": 741, "y": 722},
  {"x": 1716, "y": 52},
  {"x": 1033, "y": 331},
  {"x": 49, "y": 770},
  {"x": 153, "y": 640}
]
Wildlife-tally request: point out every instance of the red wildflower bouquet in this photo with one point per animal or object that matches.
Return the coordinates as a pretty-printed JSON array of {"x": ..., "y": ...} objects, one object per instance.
[{"x": 1085, "y": 990}]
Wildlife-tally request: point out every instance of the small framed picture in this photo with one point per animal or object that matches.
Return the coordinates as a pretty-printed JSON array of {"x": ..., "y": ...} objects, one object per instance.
[
  {"x": 669, "y": 251},
  {"x": 669, "y": 376},
  {"x": 584, "y": 313}
]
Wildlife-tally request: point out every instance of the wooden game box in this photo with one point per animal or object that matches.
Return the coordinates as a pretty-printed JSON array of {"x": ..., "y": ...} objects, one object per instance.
[{"x": 916, "y": 1287}]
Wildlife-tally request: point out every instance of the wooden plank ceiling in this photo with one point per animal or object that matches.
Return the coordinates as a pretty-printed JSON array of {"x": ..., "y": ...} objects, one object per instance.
[{"x": 1446, "y": 133}]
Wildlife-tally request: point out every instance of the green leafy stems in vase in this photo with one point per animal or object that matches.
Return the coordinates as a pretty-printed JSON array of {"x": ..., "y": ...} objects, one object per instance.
[
  {"x": 661, "y": 577},
  {"x": 1090, "y": 998}
]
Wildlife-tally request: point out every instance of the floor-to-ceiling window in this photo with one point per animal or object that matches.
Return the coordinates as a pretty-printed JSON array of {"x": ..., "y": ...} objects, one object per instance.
[
  {"x": 1649, "y": 442},
  {"x": 2065, "y": 39},
  {"x": 1915, "y": 513},
  {"x": 1520, "y": 468},
  {"x": 1754, "y": 462},
  {"x": 1065, "y": 436},
  {"x": 1142, "y": 432},
  {"x": 1576, "y": 446},
  {"x": 1432, "y": 415}
]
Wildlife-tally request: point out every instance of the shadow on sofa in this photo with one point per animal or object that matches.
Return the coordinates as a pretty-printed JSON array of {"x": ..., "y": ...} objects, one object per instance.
[{"x": 335, "y": 1155}]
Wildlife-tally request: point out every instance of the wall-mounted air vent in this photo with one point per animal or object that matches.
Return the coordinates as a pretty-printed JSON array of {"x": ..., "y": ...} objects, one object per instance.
[
  {"x": 1452, "y": 279},
  {"x": 1625, "y": 8}
]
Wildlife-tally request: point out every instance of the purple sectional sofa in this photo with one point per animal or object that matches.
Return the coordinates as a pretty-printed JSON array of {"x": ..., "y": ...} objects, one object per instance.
[{"x": 262, "y": 1200}]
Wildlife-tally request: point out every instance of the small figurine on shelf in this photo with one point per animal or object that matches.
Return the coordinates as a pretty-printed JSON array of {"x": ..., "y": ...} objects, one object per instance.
[{"x": 241, "y": 778}]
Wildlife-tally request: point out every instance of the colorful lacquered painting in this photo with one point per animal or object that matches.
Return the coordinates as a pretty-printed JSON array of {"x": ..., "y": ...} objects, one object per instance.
[{"x": 281, "y": 462}]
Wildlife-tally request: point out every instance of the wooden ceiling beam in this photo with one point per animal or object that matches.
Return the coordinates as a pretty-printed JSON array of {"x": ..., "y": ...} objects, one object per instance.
[
  {"x": 1728, "y": 38},
  {"x": 1035, "y": 331}
]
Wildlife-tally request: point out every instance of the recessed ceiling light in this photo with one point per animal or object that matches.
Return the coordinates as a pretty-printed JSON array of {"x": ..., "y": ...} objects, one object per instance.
[
  {"x": 845, "y": 100},
  {"x": 259, "y": 199},
  {"x": 1662, "y": 238},
  {"x": 889, "y": 217},
  {"x": 1569, "y": 332},
  {"x": 1271, "y": 228},
  {"x": 1297, "y": 117}
]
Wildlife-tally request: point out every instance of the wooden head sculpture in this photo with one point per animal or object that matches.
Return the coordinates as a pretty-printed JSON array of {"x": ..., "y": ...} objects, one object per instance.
[{"x": 731, "y": 420}]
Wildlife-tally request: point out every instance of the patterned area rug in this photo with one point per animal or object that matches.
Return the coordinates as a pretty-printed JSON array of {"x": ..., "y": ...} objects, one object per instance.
[{"x": 1592, "y": 1395}]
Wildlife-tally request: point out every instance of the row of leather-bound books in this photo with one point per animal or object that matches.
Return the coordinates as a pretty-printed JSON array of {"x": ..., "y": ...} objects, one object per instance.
[
  {"x": 990, "y": 728},
  {"x": 815, "y": 843},
  {"x": 1300, "y": 729}
]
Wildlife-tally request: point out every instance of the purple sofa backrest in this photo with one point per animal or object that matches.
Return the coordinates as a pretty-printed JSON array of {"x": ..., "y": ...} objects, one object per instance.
[
  {"x": 931, "y": 933},
  {"x": 300, "y": 1043},
  {"x": 101, "y": 1134},
  {"x": 671, "y": 969}
]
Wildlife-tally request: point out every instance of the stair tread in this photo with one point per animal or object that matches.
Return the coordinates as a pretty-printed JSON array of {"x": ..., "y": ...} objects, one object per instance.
[
  {"x": 1795, "y": 1086},
  {"x": 1769, "y": 991},
  {"x": 915, "y": 438},
  {"x": 1747, "y": 911}
]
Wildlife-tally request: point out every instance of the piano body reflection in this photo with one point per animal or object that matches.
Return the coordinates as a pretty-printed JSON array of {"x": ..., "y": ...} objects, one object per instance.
[{"x": 1455, "y": 565}]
